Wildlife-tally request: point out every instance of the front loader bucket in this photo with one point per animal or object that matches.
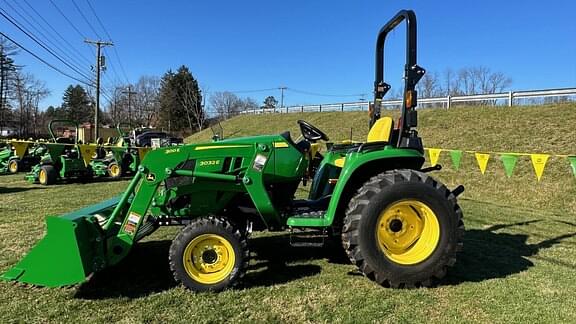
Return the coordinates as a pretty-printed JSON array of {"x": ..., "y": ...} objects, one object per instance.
[{"x": 72, "y": 249}]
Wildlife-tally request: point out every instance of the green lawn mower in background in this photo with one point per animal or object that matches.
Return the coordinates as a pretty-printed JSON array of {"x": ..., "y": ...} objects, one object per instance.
[
  {"x": 20, "y": 156},
  {"x": 117, "y": 156},
  {"x": 64, "y": 159},
  {"x": 397, "y": 224}
]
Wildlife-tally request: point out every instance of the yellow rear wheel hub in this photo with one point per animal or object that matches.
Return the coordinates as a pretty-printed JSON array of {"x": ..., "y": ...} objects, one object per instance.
[
  {"x": 209, "y": 259},
  {"x": 114, "y": 170},
  {"x": 13, "y": 166},
  {"x": 408, "y": 232},
  {"x": 42, "y": 176}
]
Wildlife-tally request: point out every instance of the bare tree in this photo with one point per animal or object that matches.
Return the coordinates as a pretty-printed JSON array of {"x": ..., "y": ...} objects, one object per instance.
[
  {"x": 194, "y": 108},
  {"x": 27, "y": 94},
  {"x": 226, "y": 104},
  {"x": 248, "y": 104},
  {"x": 429, "y": 86},
  {"x": 36, "y": 93},
  {"x": 145, "y": 101}
]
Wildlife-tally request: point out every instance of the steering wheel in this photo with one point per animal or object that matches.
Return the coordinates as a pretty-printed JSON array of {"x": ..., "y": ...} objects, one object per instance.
[{"x": 311, "y": 133}]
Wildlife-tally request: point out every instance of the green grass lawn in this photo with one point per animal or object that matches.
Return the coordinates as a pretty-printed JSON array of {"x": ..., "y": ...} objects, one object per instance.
[{"x": 518, "y": 264}]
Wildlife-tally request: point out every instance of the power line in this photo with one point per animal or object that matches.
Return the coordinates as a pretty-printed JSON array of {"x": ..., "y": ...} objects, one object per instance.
[
  {"x": 71, "y": 59},
  {"x": 110, "y": 38},
  {"x": 99, "y": 44},
  {"x": 86, "y": 20},
  {"x": 250, "y": 91},
  {"x": 323, "y": 94},
  {"x": 113, "y": 68},
  {"x": 43, "y": 61},
  {"x": 56, "y": 32},
  {"x": 69, "y": 22},
  {"x": 6, "y": 16}
]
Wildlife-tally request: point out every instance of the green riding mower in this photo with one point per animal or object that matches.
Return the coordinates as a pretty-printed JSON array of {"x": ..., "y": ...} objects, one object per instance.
[
  {"x": 117, "y": 157},
  {"x": 65, "y": 158},
  {"x": 397, "y": 224},
  {"x": 21, "y": 156}
]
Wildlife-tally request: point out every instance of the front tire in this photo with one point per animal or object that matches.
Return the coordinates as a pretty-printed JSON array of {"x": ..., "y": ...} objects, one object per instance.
[
  {"x": 209, "y": 254},
  {"x": 403, "y": 229},
  {"x": 14, "y": 166},
  {"x": 47, "y": 175}
]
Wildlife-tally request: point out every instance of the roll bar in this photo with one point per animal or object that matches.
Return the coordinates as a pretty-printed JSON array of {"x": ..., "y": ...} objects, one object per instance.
[
  {"x": 412, "y": 73},
  {"x": 63, "y": 121}
]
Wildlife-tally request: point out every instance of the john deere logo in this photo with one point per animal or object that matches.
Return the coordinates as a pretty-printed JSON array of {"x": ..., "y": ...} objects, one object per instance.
[{"x": 151, "y": 177}]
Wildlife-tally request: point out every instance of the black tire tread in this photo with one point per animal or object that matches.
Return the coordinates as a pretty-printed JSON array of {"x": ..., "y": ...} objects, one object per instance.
[
  {"x": 200, "y": 222},
  {"x": 51, "y": 174},
  {"x": 354, "y": 214}
]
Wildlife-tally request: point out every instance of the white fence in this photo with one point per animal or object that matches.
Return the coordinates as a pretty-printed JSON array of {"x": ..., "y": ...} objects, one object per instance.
[{"x": 510, "y": 98}]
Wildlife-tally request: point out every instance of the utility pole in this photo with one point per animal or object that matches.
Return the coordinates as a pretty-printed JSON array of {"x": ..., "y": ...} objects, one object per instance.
[
  {"x": 99, "y": 65},
  {"x": 282, "y": 96},
  {"x": 129, "y": 92}
]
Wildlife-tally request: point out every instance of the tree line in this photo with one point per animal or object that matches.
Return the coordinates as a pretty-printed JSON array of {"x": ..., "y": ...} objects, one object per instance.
[{"x": 174, "y": 102}]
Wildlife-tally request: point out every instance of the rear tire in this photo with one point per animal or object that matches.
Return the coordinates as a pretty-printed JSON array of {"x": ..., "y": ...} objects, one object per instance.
[
  {"x": 47, "y": 175},
  {"x": 209, "y": 254},
  {"x": 114, "y": 170},
  {"x": 14, "y": 166},
  {"x": 403, "y": 229}
]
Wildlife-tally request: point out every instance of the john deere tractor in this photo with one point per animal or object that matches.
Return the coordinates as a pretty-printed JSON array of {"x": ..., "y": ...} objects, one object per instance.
[
  {"x": 65, "y": 158},
  {"x": 397, "y": 224},
  {"x": 118, "y": 156},
  {"x": 18, "y": 156}
]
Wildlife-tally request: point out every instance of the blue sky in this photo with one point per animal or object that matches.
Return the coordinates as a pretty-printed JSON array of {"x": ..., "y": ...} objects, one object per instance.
[{"x": 323, "y": 47}]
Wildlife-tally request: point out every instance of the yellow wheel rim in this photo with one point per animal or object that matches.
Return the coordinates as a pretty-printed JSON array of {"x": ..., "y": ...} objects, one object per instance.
[
  {"x": 114, "y": 170},
  {"x": 408, "y": 232},
  {"x": 13, "y": 167},
  {"x": 209, "y": 259},
  {"x": 42, "y": 176}
]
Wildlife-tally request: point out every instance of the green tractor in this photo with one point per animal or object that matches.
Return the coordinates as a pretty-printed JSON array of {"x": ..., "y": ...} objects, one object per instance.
[
  {"x": 5, "y": 156},
  {"x": 21, "y": 156},
  {"x": 65, "y": 158},
  {"x": 397, "y": 224},
  {"x": 117, "y": 157}
]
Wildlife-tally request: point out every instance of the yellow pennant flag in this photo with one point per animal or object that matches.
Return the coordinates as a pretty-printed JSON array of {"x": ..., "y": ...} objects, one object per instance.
[
  {"x": 87, "y": 151},
  {"x": 539, "y": 162},
  {"x": 20, "y": 148},
  {"x": 482, "y": 159},
  {"x": 434, "y": 154},
  {"x": 142, "y": 151}
]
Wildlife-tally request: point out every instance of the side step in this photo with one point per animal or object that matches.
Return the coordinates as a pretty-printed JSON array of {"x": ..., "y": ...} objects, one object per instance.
[
  {"x": 307, "y": 219},
  {"x": 300, "y": 237}
]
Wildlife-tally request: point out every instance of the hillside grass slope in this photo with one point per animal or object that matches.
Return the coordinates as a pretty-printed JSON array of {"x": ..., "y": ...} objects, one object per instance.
[{"x": 527, "y": 129}]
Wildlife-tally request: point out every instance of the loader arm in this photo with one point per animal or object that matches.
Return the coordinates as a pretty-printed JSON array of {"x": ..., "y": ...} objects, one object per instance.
[
  {"x": 88, "y": 240},
  {"x": 159, "y": 165}
]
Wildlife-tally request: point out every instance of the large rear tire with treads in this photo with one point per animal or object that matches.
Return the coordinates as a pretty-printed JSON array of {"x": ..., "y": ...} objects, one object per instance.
[{"x": 403, "y": 229}]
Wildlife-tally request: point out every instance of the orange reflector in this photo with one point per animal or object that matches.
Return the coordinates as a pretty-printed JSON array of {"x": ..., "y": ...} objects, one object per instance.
[{"x": 408, "y": 97}]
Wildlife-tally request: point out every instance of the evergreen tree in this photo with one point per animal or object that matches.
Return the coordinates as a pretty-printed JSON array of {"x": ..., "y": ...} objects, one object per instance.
[
  {"x": 180, "y": 101},
  {"x": 76, "y": 104},
  {"x": 270, "y": 102}
]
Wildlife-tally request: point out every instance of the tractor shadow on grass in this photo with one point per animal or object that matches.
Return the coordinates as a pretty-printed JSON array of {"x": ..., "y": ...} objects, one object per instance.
[
  {"x": 7, "y": 190},
  {"x": 146, "y": 270},
  {"x": 490, "y": 255},
  {"x": 487, "y": 255},
  {"x": 272, "y": 261}
]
